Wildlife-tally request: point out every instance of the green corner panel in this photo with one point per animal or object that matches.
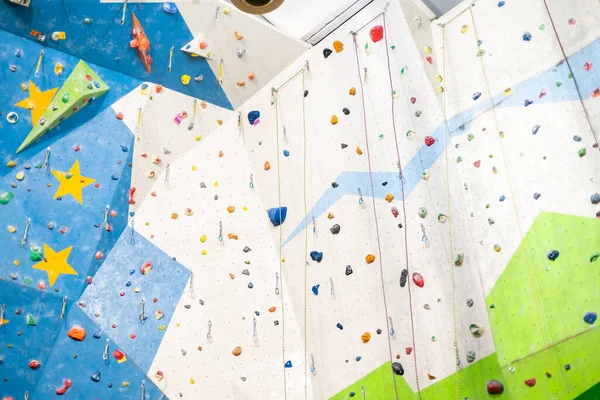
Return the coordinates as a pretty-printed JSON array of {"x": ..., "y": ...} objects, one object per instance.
[
  {"x": 591, "y": 394},
  {"x": 472, "y": 384},
  {"x": 81, "y": 87}
]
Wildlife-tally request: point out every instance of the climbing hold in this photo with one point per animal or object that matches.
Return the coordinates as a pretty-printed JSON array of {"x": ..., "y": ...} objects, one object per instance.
[
  {"x": 169, "y": 8},
  {"x": 442, "y": 218},
  {"x": 464, "y": 29},
  {"x": 237, "y": 351},
  {"x": 397, "y": 368},
  {"x": 403, "y": 277},
  {"x": 277, "y": 215},
  {"x": 460, "y": 259},
  {"x": 582, "y": 152},
  {"x": 315, "y": 290},
  {"x": 431, "y": 377},
  {"x": 34, "y": 364},
  {"x": 536, "y": 196},
  {"x": 470, "y": 302},
  {"x": 495, "y": 387},
  {"x": 552, "y": 255},
  {"x": 476, "y": 330},
  {"x": 395, "y": 212},
  {"x": 352, "y": 91},
  {"x": 119, "y": 355},
  {"x": 334, "y": 119},
  {"x": 376, "y": 33},
  {"x": 530, "y": 382},
  {"x": 470, "y": 356},
  {"x": 339, "y": 326},
  {"x": 327, "y": 52},
  {"x": 501, "y": 3},
  {"x": 595, "y": 198},
  {"x": 11, "y": 229},
  {"x": 418, "y": 279},
  {"x": 587, "y": 66},
  {"x": 410, "y": 135},
  {"x": 267, "y": 166},
  {"x": 477, "y": 164},
  {"x": 338, "y": 46},
  {"x": 527, "y": 36},
  {"x": 497, "y": 248},
  {"x": 365, "y": 337},
  {"x": 316, "y": 256},
  {"x": 528, "y": 102},
  {"x": 335, "y": 229},
  {"x": 590, "y": 318},
  {"x": 95, "y": 376},
  {"x": 535, "y": 129},
  {"x": 185, "y": 79},
  {"x": 359, "y": 151},
  {"x": 251, "y": 76},
  {"x": 429, "y": 141},
  {"x": 389, "y": 197},
  {"x": 370, "y": 258},
  {"x": 344, "y": 145},
  {"x": 246, "y": 249},
  {"x": 422, "y": 212},
  {"x": 349, "y": 270},
  {"x": 346, "y": 111},
  {"x": 286, "y": 153},
  {"x": 254, "y": 117},
  {"x": 476, "y": 95},
  {"x": 66, "y": 385},
  {"x": 76, "y": 333}
]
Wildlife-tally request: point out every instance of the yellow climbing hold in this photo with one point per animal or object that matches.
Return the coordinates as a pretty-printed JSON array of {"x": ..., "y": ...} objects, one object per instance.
[
  {"x": 203, "y": 238},
  {"x": 220, "y": 121},
  {"x": 16, "y": 263},
  {"x": 439, "y": 78},
  {"x": 198, "y": 138},
  {"x": 508, "y": 91},
  {"x": 427, "y": 49},
  {"x": 226, "y": 11},
  {"x": 194, "y": 167},
  {"x": 125, "y": 384},
  {"x": 370, "y": 258},
  {"x": 12, "y": 229},
  {"x": 192, "y": 381},
  {"x": 389, "y": 197},
  {"x": 358, "y": 150},
  {"x": 464, "y": 29},
  {"x": 20, "y": 175},
  {"x": 174, "y": 216},
  {"x": 245, "y": 208},
  {"x": 334, "y": 119},
  {"x": 230, "y": 209},
  {"x": 232, "y": 276},
  {"x": 185, "y": 79},
  {"x": 497, "y": 248},
  {"x": 440, "y": 89},
  {"x": 352, "y": 91},
  {"x": 216, "y": 184},
  {"x": 136, "y": 290},
  {"x": 204, "y": 252}
]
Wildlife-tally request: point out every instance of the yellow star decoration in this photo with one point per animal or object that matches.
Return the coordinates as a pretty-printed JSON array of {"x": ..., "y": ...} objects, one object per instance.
[
  {"x": 71, "y": 182},
  {"x": 37, "y": 101},
  {"x": 55, "y": 263}
]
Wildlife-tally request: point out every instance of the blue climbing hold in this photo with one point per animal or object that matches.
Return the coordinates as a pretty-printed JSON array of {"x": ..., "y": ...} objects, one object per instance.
[
  {"x": 131, "y": 213},
  {"x": 95, "y": 376},
  {"x": 169, "y": 8},
  {"x": 536, "y": 195},
  {"x": 288, "y": 364},
  {"x": 358, "y": 358},
  {"x": 339, "y": 326},
  {"x": 144, "y": 86},
  {"x": 315, "y": 290},
  {"x": 97, "y": 334},
  {"x": 479, "y": 42},
  {"x": 502, "y": 198},
  {"x": 250, "y": 285},
  {"x": 131, "y": 271},
  {"x": 527, "y": 36},
  {"x": 115, "y": 176},
  {"x": 253, "y": 117},
  {"x": 316, "y": 256},
  {"x": 590, "y": 318},
  {"x": 528, "y": 102},
  {"x": 577, "y": 138},
  {"x": 595, "y": 198},
  {"x": 286, "y": 153},
  {"x": 501, "y": 3},
  {"x": 277, "y": 215},
  {"x": 552, "y": 255},
  {"x": 476, "y": 95},
  {"x": 124, "y": 149},
  {"x": 535, "y": 129}
]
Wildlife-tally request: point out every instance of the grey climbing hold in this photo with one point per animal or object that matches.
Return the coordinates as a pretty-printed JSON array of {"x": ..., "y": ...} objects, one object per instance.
[
  {"x": 403, "y": 277},
  {"x": 216, "y": 197},
  {"x": 188, "y": 306},
  {"x": 247, "y": 249},
  {"x": 250, "y": 285},
  {"x": 595, "y": 198},
  {"x": 470, "y": 302},
  {"x": 418, "y": 113},
  {"x": 335, "y": 229},
  {"x": 246, "y": 272},
  {"x": 183, "y": 352},
  {"x": 203, "y": 185},
  {"x": 491, "y": 221},
  {"x": 427, "y": 307},
  {"x": 470, "y": 356},
  {"x": 397, "y": 368},
  {"x": 349, "y": 270}
]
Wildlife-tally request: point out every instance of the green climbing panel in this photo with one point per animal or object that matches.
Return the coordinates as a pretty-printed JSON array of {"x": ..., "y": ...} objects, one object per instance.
[{"x": 80, "y": 89}]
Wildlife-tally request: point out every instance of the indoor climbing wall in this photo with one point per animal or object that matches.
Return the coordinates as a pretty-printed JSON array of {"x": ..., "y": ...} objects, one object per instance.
[{"x": 197, "y": 206}]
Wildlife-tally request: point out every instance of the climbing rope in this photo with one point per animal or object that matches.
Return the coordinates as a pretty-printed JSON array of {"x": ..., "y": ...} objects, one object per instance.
[
  {"x": 523, "y": 241},
  {"x": 276, "y": 93},
  {"x": 360, "y": 78},
  {"x": 410, "y": 302},
  {"x": 449, "y": 211}
]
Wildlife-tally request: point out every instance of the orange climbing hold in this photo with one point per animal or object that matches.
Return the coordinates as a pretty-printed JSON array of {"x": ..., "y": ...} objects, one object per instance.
[
  {"x": 221, "y": 154},
  {"x": 120, "y": 116},
  {"x": 237, "y": 351},
  {"x": 232, "y": 276},
  {"x": 330, "y": 215},
  {"x": 267, "y": 166},
  {"x": 238, "y": 35},
  {"x": 431, "y": 377},
  {"x": 370, "y": 258},
  {"x": 366, "y": 337},
  {"x": 230, "y": 209},
  {"x": 76, "y": 333},
  {"x": 272, "y": 309},
  {"x": 334, "y": 119},
  {"x": 174, "y": 215},
  {"x": 159, "y": 88},
  {"x": 251, "y": 76},
  {"x": 141, "y": 43},
  {"x": 232, "y": 236},
  {"x": 352, "y": 91},
  {"x": 338, "y": 46},
  {"x": 241, "y": 83},
  {"x": 389, "y": 197},
  {"x": 359, "y": 151}
]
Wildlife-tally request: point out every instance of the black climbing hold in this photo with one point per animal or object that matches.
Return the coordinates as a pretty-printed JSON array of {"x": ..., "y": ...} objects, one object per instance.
[
  {"x": 247, "y": 249},
  {"x": 327, "y": 52},
  {"x": 188, "y": 306},
  {"x": 384, "y": 183},
  {"x": 305, "y": 93},
  {"x": 552, "y": 255},
  {"x": 344, "y": 145},
  {"x": 567, "y": 367},
  {"x": 349, "y": 270},
  {"x": 95, "y": 377},
  {"x": 379, "y": 331},
  {"x": 334, "y": 184},
  {"x": 275, "y": 322},
  {"x": 346, "y": 111},
  {"x": 335, "y": 229},
  {"x": 403, "y": 277},
  {"x": 470, "y": 302},
  {"x": 97, "y": 334},
  {"x": 397, "y": 367},
  {"x": 399, "y": 225},
  {"x": 110, "y": 385},
  {"x": 339, "y": 326}
]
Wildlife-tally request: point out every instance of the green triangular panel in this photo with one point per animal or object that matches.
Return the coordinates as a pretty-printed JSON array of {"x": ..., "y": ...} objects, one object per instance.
[{"x": 79, "y": 90}]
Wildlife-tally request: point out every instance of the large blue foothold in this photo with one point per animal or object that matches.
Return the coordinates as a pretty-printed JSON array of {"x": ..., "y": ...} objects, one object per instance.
[
  {"x": 277, "y": 215},
  {"x": 316, "y": 256},
  {"x": 590, "y": 318}
]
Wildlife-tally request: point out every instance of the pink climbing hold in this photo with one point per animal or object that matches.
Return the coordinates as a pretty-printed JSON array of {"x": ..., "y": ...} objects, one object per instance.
[
  {"x": 62, "y": 390},
  {"x": 418, "y": 279},
  {"x": 376, "y": 33},
  {"x": 146, "y": 268},
  {"x": 477, "y": 164},
  {"x": 587, "y": 66},
  {"x": 395, "y": 212},
  {"x": 429, "y": 141}
]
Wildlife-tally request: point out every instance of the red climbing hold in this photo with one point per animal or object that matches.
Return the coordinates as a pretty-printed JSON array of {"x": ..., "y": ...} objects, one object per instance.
[
  {"x": 596, "y": 92},
  {"x": 477, "y": 163},
  {"x": 429, "y": 60},
  {"x": 413, "y": 100},
  {"x": 118, "y": 355},
  {"x": 429, "y": 141},
  {"x": 35, "y": 364},
  {"x": 63, "y": 389},
  {"x": 495, "y": 387},
  {"x": 530, "y": 382},
  {"x": 418, "y": 279},
  {"x": 395, "y": 212},
  {"x": 376, "y": 33},
  {"x": 587, "y": 66},
  {"x": 131, "y": 193},
  {"x": 408, "y": 351}
]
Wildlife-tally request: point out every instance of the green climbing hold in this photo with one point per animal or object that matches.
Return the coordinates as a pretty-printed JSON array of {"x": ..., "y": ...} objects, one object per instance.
[
  {"x": 38, "y": 165},
  {"x": 594, "y": 257},
  {"x": 393, "y": 47},
  {"x": 68, "y": 176},
  {"x": 460, "y": 259},
  {"x": 470, "y": 137},
  {"x": 570, "y": 75},
  {"x": 582, "y": 152},
  {"x": 459, "y": 159},
  {"x": 480, "y": 53},
  {"x": 403, "y": 70},
  {"x": 66, "y": 97},
  {"x": 542, "y": 27},
  {"x": 27, "y": 280},
  {"x": 558, "y": 84},
  {"x": 35, "y": 253},
  {"x": 30, "y": 320},
  {"x": 6, "y": 197}
]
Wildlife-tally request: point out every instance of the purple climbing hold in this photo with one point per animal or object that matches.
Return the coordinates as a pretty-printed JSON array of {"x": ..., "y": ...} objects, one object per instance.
[
  {"x": 536, "y": 195},
  {"x": 552, "y": 255}
]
